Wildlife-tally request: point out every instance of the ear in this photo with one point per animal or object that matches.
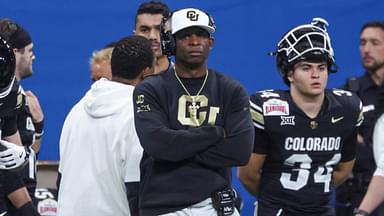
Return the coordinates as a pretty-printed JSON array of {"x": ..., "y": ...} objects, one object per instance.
[
  {"x": 211, "y": 42},
  {"x": 15, "y": 50},
  {"x": 290, "y": 76}
]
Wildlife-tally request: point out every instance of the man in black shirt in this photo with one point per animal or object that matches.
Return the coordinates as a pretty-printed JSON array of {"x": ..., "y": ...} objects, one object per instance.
[
  {"x": 11, "y": 184},
  {"x": 30, "y": 117},
  {"x": 194, "y": 125},
  {"x": 305, "y": 142},
  {"x": 11, "y": 154},
  {"x": 370, "y": 88}
]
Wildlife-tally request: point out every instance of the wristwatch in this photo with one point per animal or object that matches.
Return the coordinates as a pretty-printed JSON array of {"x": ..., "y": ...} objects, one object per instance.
[{"x": 360, "y": 212}]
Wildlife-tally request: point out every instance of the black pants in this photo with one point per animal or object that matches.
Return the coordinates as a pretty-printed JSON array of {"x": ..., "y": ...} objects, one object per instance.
[{"x": 3, "y": 206}]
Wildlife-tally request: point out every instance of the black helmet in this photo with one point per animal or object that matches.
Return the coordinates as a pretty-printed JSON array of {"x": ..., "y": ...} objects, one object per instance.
[
  {"x": 7, "y": 68},
  {"x": 309, "y": 42}
]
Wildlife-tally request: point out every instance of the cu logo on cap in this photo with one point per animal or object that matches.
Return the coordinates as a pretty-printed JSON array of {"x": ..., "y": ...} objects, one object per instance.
[{"x": 192, "y": 15}]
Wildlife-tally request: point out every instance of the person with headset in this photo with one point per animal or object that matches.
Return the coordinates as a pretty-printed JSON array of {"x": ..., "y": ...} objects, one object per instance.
[
  {"x": 194, "y": 125},
  {"x": 149, "y": 15},
  {"x": 12, "y": 155},
  {"x": 305, "y": 142}
]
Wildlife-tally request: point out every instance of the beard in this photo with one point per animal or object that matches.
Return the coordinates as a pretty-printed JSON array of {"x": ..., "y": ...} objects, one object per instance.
[{"x": 372, "y": 68}]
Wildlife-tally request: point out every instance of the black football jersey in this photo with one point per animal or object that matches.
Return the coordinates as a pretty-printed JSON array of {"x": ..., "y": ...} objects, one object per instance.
[
  {"x": 45, "y": 200},
  {"x": 27, "y": 134},
  {"x": 301, "y": 152},
  {"x": 25, "y": 123},
  {"x": 8, "y": 108}
]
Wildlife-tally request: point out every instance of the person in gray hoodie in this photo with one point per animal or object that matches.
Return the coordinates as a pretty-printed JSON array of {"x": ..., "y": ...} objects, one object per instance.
[{"x": 99, "y": 149}]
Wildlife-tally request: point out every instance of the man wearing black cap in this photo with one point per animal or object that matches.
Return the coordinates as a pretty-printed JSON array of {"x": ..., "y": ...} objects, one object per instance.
[
  {"x": 305, "y": 141},
  {"x": 30, "y": 118},
  {"x": 194, "y": 125}
]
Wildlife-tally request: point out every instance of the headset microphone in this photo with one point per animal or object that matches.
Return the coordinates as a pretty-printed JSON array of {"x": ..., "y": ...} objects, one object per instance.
[{"x": 167, "y": 41}]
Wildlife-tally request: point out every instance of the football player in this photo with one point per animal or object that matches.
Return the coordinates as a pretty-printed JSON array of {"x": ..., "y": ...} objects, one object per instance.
[
  {"x": 30, "y": 117},
  {"x": 13, "y": 156},
  {"x": 305, "y": 139},
  {"x": 194, "y": 125}
]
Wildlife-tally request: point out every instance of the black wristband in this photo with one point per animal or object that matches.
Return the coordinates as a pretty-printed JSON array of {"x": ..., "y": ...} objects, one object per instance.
[
  {"x": 28, "y": 210},
  {"x": 360, "y": 212},
  {"x": 39, "y": 135},
  {"x": 39, "y": 126}
]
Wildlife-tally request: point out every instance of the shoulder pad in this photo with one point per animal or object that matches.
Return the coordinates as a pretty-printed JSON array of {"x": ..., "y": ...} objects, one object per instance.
[
  {"x": 267, "y": 103},
  {"x": 346, "y": 98},
  {"x": 351, "y": 101}
]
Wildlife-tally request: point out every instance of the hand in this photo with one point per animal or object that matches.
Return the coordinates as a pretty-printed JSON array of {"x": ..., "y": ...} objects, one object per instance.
[
  {"x": 13, "y": 157},
  {"x": 34, "y": 107}
]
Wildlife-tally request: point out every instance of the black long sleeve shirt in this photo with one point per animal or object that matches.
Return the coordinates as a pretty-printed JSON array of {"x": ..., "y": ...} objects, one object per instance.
[{"x": 187, "y": 158}]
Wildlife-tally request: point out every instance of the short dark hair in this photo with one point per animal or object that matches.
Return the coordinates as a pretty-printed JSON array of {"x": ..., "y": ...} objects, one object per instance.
[
  {"x": 373, "y": 24},
  {"x": 7, "y": 28},
  {"x": 130, "y": 56},
  {"x": 14, "y": 33},
  {"x": 153, "y": 7}
]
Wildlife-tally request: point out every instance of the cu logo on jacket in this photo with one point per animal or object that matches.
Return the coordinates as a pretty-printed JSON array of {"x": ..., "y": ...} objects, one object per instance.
[{"x": 192, "y": 15}]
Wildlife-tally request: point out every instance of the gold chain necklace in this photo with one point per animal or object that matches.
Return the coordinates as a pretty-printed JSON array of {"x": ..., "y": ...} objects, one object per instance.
[{"x": 194, "y": 107}]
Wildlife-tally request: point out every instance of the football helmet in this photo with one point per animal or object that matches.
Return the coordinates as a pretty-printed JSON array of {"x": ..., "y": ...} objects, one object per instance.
[
  {"x": 7, "y": 68},
  {"x": 309, "y": 42}
]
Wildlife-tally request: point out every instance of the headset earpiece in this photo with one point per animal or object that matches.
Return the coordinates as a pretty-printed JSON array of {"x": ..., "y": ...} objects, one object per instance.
[
  {"x": 167, "y": 41},
  {"x": 211, "y": 21}
]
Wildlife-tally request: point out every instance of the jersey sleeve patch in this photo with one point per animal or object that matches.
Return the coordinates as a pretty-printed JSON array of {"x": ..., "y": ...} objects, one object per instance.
[
  {"x": 142, "y": 106},
  {"x": 275, "y": 107}
]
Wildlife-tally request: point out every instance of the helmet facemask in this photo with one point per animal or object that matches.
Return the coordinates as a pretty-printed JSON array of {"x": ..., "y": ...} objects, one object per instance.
[
  {"x": 309, "y": 42},
  {"x": 7, "y": 68}
]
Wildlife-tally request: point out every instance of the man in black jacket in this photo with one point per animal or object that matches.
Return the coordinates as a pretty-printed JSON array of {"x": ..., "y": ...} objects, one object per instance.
[{"x": 369, "y": 87}]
